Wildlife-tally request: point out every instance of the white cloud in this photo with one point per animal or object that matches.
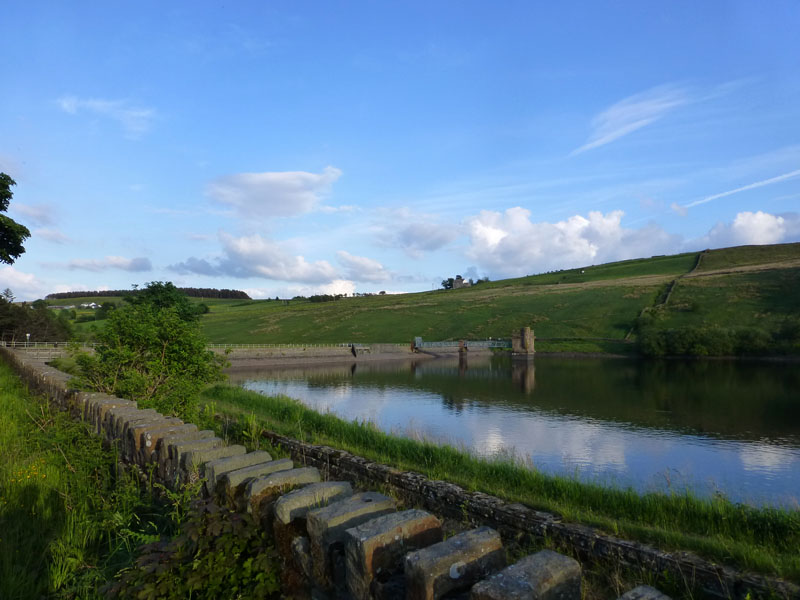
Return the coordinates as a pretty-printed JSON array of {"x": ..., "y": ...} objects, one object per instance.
[
  {"x": 273, "y": 194},
  {"x": 111, "y": 262},
  {"x": 24, "y": 285},
  {"x": 27, "y": 287},
  {"x": 415, "y": 232},
  {"x": 136, "y": 121},
  {"x": 755, "y": 228},
  {"x": 337, "y": 286},
  {"x": 51, "y": 235},
  {"x": 361, "y": 268},
  {"x": 418, "y": 237},
  {"x": 38, "y": 214},
  {"x": 632, "y": 113},
  {"x": 510, "y": 244},
  {"x": 256, "y": 256}
]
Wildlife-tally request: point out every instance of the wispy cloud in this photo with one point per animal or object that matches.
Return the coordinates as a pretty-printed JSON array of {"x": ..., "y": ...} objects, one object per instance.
[
  {"x": 39, "y": 214},
  {"x": 135, "y": 120},
  {"x": 51, "y": 235},
  {"x": 273, "y": 194},
  {"x": 751, "y": 186},
  {"x": 633, "y": 113},
  {"x": 135, "y": 265}
]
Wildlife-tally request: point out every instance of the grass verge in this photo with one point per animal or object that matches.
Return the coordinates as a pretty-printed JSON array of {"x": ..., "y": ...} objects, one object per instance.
[
  {"x": 764, "y": 540},
  {"x": 68, "y": 519}
]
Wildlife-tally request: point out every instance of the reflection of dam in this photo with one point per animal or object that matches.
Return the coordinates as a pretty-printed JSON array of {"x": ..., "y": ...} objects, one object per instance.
[
  {"x": 523, "y": 375},
  {"x": 752, "y": 401}
]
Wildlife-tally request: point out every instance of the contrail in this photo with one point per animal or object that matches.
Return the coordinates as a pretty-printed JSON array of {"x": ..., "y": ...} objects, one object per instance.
[{"x": 757, "y": 184}]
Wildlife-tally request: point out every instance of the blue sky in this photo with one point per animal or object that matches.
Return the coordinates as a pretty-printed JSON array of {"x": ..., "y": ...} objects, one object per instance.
[{"x": 289, "y": 148}]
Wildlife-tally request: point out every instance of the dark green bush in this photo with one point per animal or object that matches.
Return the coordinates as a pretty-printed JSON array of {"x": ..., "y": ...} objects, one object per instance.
[{"x": 221, "y": 554}]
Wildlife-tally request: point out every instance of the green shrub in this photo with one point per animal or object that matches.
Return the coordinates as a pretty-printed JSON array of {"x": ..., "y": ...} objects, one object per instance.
[
  {"x": 220, "y": 554},
  {"x": 151, "y": 351}
]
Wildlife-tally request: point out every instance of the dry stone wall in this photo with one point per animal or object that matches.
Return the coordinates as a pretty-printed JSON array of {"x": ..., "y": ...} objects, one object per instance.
[{"x": 339, "y": 542}]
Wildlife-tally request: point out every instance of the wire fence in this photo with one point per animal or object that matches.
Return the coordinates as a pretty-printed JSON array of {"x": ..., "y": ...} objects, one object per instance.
[
  {"x": 46, "y": 345},
  {"x": 288, "y": 346}
]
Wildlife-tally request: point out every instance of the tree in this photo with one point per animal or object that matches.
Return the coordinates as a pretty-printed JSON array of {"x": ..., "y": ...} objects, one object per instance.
[
  {"x": 151, "y": 351},
  {"x": 448, "y": 283},
  {"x": 7, "y": 295},
  {"x": 12, "y": 234},
  {"x": 105, "y": 308},
  {"x": 17, "y": 320}
]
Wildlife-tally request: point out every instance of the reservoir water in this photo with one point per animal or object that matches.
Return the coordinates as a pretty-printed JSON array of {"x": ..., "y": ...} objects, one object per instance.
[{"x": 724, "y": 427}]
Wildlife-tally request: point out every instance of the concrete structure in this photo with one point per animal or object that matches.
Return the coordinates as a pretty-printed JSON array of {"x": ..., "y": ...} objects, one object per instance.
[
  {"x": 459, "y": 282},
  {"x": 522, "y": 343}
]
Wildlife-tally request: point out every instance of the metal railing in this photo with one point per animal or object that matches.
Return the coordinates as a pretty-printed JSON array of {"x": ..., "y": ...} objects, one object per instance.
[
  {"x": 279, "y": 346},
  {"x": 467, "y": 343},
  {"x": 43, "y": 345}
]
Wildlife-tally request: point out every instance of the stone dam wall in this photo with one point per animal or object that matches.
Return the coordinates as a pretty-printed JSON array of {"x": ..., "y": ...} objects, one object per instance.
[{"x": 340, "y": 539}]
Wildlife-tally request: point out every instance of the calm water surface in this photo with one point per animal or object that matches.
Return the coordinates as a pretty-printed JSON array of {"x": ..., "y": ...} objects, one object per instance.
[{"x": 711, "y": 426}]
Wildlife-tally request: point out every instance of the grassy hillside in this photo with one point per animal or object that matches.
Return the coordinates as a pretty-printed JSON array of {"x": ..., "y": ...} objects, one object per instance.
[
  {"x": 590, "y": 309},
  {"x": 594, "y": 308}
]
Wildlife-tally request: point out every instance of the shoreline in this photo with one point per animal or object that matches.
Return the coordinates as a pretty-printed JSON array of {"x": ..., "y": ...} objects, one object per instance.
[{"x": 246, "y": 363}]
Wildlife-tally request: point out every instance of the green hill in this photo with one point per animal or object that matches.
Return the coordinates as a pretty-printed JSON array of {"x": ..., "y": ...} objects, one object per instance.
[{"x": 748, "y": 292}]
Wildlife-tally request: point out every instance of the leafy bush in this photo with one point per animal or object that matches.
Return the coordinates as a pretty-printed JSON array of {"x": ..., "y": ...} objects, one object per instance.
[
  {"x": 220, "y": 554},
  {"x": 151, "y": 351},
  {"x": 708, "y": 341}
]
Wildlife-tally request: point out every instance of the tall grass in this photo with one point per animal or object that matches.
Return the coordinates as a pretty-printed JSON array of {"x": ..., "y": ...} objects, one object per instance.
[
  {"x": 761, "y": 539},
  {"x": 68, "y": 519}
]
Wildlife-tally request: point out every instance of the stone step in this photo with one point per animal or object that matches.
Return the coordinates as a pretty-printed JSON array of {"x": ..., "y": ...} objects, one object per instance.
[
  {"x": 231, "y": 487},
  {"x": 454, "y": 564},
  {"x": 296, "y": 504},
  {"x": 192, "y": 461},
  {"x": 327, "y": 526},
  {"x": 261, "y": 491},
  {"x": 132, "y": 440},
  {"x": 213, "y": 470},
  {"x": 376, "y": 549},
  {"x": 546, "y": 575}
]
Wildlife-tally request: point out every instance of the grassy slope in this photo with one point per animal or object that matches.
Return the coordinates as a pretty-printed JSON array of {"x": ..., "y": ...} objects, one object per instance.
[
  {"x": 67, "y": 523},
  {"x": 602, "y": 302},
  {"x": 748, "y": 299},
  {"x": 582, "y": 305},
  {"x": 741, "y": 256}
]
